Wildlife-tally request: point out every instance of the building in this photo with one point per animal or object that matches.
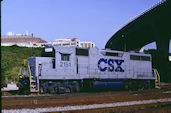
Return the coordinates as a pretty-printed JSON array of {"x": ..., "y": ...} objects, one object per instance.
[
  {"x": 169, "y": 58},
  {"x": 87, "y": 44},
  {"x": 31, "y": 41},
  {"x": 66, "y": 42},
  {"x": 72, "y": 42},
  {"x": 22, "y": 40}
]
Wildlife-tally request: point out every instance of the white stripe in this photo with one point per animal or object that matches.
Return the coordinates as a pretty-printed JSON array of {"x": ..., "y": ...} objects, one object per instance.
[{"x": 83, "y": 107}]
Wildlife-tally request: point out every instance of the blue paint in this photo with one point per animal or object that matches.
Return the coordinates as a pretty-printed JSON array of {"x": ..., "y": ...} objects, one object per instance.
[
  {"x": 112, "y": 79},
  {"x": 99, "y": 62},
  {"x": 100, "y": 84},
  {"x": 119, "y": 68},
  {"x": 108, "y": 83},
  {"x": 111, "y": 62},
  {"x": 110, "y": 66}
]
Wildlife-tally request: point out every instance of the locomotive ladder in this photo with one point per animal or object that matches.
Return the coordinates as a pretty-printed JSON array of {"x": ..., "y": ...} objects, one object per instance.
[
  {"x": 157, "y": 81},
  {"x": 34, "y": 81}
]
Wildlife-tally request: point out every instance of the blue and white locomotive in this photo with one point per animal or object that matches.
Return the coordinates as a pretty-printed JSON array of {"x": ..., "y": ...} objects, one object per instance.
[{"x": 69, "y": 69}]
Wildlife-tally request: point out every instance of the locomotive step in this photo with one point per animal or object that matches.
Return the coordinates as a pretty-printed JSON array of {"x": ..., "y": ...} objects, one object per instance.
[
  {"x": 33, "y": 86},
  {"x": 32, "y": 81}
]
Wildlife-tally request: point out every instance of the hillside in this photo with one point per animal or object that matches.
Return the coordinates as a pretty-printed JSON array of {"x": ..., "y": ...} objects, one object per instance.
[{"x": 12, "y": 57}]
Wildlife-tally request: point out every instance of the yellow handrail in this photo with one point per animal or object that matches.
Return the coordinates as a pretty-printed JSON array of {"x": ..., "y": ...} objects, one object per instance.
[
  {"x": 157, "y": 81},
  {"x": 22, "y": 68},
  {"x": 31, "y": 78}
]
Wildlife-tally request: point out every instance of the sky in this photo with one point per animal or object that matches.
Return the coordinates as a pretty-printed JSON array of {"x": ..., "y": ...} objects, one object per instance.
[{"x": 88, "y": 20}]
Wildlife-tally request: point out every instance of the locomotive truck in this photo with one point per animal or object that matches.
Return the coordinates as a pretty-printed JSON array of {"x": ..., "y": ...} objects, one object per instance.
[{"x": 70, "y": 69}]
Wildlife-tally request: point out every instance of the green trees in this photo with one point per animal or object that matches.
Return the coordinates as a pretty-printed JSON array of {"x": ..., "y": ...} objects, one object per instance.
[{"x": 12, "y": 57}]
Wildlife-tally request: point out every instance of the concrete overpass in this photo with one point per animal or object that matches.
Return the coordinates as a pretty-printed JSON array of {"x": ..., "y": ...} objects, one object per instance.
[{"x": 152, "y": 25}]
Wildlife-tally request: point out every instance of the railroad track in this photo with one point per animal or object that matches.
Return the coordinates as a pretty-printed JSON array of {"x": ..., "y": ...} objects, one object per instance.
[
  {"x": 20, "y": 103},
  {"x": 42, "y": 101}
]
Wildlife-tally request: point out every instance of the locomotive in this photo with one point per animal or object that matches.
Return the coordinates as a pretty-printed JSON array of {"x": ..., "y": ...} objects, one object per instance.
[{"x": 71, "y": 69}]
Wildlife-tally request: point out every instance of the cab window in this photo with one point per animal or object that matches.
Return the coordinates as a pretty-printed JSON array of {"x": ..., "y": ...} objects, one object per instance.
[
  {"x": 65, "y": 57},
  {"x": 48, "y": 52}
]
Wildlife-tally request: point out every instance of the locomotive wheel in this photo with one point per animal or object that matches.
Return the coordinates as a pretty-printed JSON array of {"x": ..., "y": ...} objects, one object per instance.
[
  {"x": 56, "y": 90},
  {"x": 52, "y": 91},
  {"x": 88, "y": 85},
  {"x": 141, "y": 87},
  {"x": 127, "y": 85},
  {"x": 147, "y": 85},
  {"x": 42, "y": 90},
  {"x": 134, "y": 85},
  {"x": 77, "y": 88},
  {"x": 26, "y": 92},
  {"x": 68, "y": 90}
]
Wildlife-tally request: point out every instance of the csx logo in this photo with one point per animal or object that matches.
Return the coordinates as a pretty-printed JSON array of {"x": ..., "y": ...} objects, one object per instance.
[{"x": 110, "y": 65}]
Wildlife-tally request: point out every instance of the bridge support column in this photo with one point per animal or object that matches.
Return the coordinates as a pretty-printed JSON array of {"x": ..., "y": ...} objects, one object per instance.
[
  {"x": 162, "y": 43},
  {"x": 162, "y": 62}
]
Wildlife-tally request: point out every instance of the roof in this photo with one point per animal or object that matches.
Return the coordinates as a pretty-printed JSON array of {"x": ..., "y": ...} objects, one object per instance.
[{"x": 22, "y": 40}]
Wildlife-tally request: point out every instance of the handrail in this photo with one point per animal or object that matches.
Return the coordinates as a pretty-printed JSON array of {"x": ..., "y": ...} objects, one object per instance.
[
  {"x": 29, "y": 73},
  {"x": 31, "y": 80},
  {"x": 157, "y": 81}
]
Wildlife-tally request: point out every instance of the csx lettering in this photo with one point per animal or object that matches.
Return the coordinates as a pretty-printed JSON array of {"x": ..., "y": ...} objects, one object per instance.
[{"x": 110, "y": 63}]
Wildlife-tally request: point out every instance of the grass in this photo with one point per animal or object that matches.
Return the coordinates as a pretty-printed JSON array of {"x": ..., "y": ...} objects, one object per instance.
[{"x": 11, "y": 59}]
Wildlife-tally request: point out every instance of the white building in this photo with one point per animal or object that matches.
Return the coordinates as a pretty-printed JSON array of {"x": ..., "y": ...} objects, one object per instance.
[
  {"x": 72, "y": 42},
  {"x": 31, "y": 41},
  {"x": 66, "y": 42},
  {"x": 22, "y": 40}
]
